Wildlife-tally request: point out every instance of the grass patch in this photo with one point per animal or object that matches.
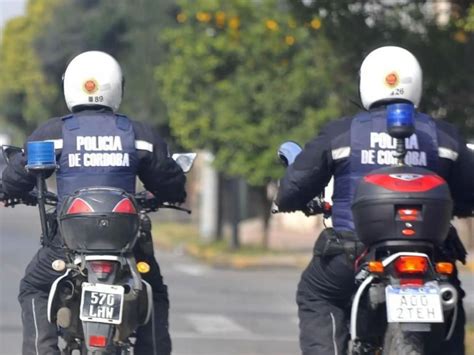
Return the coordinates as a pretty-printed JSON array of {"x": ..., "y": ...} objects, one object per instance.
[
  {"x": 186, "y": 236},
  {"x": 469, "y": 341},
  {"x": 175, "y": 235}
]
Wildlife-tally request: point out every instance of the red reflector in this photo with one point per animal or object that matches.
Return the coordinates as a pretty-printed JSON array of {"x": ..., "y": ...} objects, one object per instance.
[
  {"x": 98, "y": 341},
  {"x": 411, "y": 265},
  {"x": 411, "y": 282},
  {"x": 408, "y": 214},
  {"x": 408, "y": 183},
  {"x": 408, "y": 232},
  {"x": 79, "y": 206},
  {"x": 102, "y": 267},
  {"x": 125, "y": 206}
]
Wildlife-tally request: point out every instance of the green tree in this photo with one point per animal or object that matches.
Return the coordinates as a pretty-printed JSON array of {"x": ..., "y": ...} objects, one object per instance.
[
  {"x": 242, "y": 77},
  {"x": 128, "y": 30},
  {"x": 25, "y": 94},
  {"x": 440, "y": 40}
]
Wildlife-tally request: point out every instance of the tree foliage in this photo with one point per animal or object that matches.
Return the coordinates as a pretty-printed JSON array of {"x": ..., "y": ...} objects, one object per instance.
[
  {"x": 437, "y": 33},
  {"x": 242, "y": 77},
  {"x": 25, "y": 94},
  {"x": 51, "y": 36}
]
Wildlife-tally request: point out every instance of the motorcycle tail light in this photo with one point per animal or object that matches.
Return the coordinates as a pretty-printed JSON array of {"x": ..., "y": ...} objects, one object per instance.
[
  {"x": 444, "y": 268},
  {"x": 101, "y": 268},
  {"x": 98, "y": 341},
  {"x": 411, "y": 265},
  {"x": 412, "y": 282},
  {"x": 125, "y": 206},
  {"x": 79, "y": 206},
  {"x": 408, "y": 214}
]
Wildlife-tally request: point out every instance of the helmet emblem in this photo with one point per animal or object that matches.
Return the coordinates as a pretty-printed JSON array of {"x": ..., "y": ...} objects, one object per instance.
[
  {"x": 91, "y": 86},
  {"x": 392, "y": 79}
]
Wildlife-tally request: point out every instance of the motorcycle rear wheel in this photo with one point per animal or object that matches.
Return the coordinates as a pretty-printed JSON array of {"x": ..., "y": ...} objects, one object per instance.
[
  {"x": 397, "y": 342},
  {"x": 121, "y": 351}
]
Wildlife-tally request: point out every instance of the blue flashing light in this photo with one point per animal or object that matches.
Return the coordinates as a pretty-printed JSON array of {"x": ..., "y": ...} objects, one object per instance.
[
  {"x": 400, "y": 115},
  {"x": 41, "y": 155}
]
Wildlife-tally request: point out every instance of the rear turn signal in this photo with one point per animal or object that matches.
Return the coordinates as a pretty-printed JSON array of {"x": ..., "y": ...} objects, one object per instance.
[
  {"x": 98, "y": 341},
  {"x": 376, "y": 267},
  {"x": 143, "y": 267},
  {"x": 444, "y": 268},
  {"x": 411, "y": 265}
]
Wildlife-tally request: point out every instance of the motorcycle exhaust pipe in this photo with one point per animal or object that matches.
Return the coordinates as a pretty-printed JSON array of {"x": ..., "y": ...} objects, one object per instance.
[{"x": 449, "y": 296}]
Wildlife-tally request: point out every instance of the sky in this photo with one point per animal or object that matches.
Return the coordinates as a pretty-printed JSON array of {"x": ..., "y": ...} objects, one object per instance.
[{"x": 9, "y": 9}]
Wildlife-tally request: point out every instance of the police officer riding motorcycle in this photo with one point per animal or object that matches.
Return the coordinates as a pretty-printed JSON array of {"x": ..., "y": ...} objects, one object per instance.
[
  {"x": 348, "y": 149},
  {"x": 94, "y": 146}
]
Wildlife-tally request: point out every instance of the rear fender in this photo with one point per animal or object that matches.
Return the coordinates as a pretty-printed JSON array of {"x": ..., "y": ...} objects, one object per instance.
[
  {"x": 149, "y": 303},
  {"x": 364, "y": 286},
  {"x": 96, "y": 331},
  {"x": 53, "y": 298}
]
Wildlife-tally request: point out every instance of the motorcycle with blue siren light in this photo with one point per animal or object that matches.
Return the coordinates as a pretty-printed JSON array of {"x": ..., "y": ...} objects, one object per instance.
[
  {"x": 401, "y": 215},
  {"x": 101, "y": 299}
]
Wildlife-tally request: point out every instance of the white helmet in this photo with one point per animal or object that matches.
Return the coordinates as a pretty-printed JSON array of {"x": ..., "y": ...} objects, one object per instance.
[
  {"x": 390, "y": 73},
  {"x": 93, "y": 78}
]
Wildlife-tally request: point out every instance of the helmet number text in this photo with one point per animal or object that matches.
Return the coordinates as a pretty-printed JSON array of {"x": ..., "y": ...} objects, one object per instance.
[
  {"x": 396, "y": 92},
  {"x": 96, "y": 99}
]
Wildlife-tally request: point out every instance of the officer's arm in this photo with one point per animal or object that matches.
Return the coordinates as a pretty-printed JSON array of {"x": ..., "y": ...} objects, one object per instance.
[
  {"x": 462, "y": 180},
  {"x": 160, "y": 174},
  {"x": 307, "y": 176},
  {"x": 16, "y": 179}
]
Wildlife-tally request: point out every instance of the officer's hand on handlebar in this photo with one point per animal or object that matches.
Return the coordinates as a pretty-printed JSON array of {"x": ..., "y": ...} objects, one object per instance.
[{"x": 318, "y": 206}]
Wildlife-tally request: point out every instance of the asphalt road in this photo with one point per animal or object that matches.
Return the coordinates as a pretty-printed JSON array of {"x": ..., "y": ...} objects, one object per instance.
[{"x": 213, "y": 311}]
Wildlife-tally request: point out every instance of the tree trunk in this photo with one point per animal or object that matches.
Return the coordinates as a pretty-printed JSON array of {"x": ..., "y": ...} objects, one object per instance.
[
  {"x": 266, "y": 214},
  {"x": 236, "y": 217}
]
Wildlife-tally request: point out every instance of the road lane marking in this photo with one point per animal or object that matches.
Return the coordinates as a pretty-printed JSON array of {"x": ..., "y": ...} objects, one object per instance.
[
  {"x": 213, "y": 323},
  {"x": 193, "y": 270},
  {"x": 239, "y": 337}
]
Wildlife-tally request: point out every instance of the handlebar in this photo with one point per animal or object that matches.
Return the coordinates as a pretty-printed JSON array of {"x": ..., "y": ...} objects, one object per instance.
[
  {"x": 318, "y": 206},
  {"x": 28, "y": 199},
  {"x": 145, "y": 199},
  {"x": 149, "y": 203}
]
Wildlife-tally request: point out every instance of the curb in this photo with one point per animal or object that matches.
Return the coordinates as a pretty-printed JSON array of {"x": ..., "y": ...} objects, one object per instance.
[
  {"x": 241, "y": 262},
  {"x": 469, "y": 267}
]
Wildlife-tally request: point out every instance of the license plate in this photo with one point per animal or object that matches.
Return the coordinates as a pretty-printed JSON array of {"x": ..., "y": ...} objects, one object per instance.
[
  {"x": 101, "y": 303},
  {"x": 413, "y": 304}
]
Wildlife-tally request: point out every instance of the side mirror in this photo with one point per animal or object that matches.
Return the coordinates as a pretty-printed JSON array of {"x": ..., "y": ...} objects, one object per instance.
[
  {"x": 185, "y": 160},
  {"x": 9, "y": 150},
  {"x": 288, "y": 151}
]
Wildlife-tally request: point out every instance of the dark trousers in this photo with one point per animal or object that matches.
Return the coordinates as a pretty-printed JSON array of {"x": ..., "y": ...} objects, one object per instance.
[
  {"x": 324, "y": 300},
  {"x": 40, "y": 337}
]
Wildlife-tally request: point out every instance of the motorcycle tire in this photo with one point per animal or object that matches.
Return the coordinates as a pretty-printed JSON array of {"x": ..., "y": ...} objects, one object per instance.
[
  {"x": 116, "y": 352},
  {"x": 397, "y": 342}
]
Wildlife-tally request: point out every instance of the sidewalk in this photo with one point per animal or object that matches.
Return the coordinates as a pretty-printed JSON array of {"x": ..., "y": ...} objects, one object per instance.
[{"x": 290, "y": 244}]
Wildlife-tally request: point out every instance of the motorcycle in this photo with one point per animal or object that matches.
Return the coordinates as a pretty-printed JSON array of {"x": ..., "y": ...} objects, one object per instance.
[
  {"x": 100, "y": 299},
  {"x": 402, "y": 217}
]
